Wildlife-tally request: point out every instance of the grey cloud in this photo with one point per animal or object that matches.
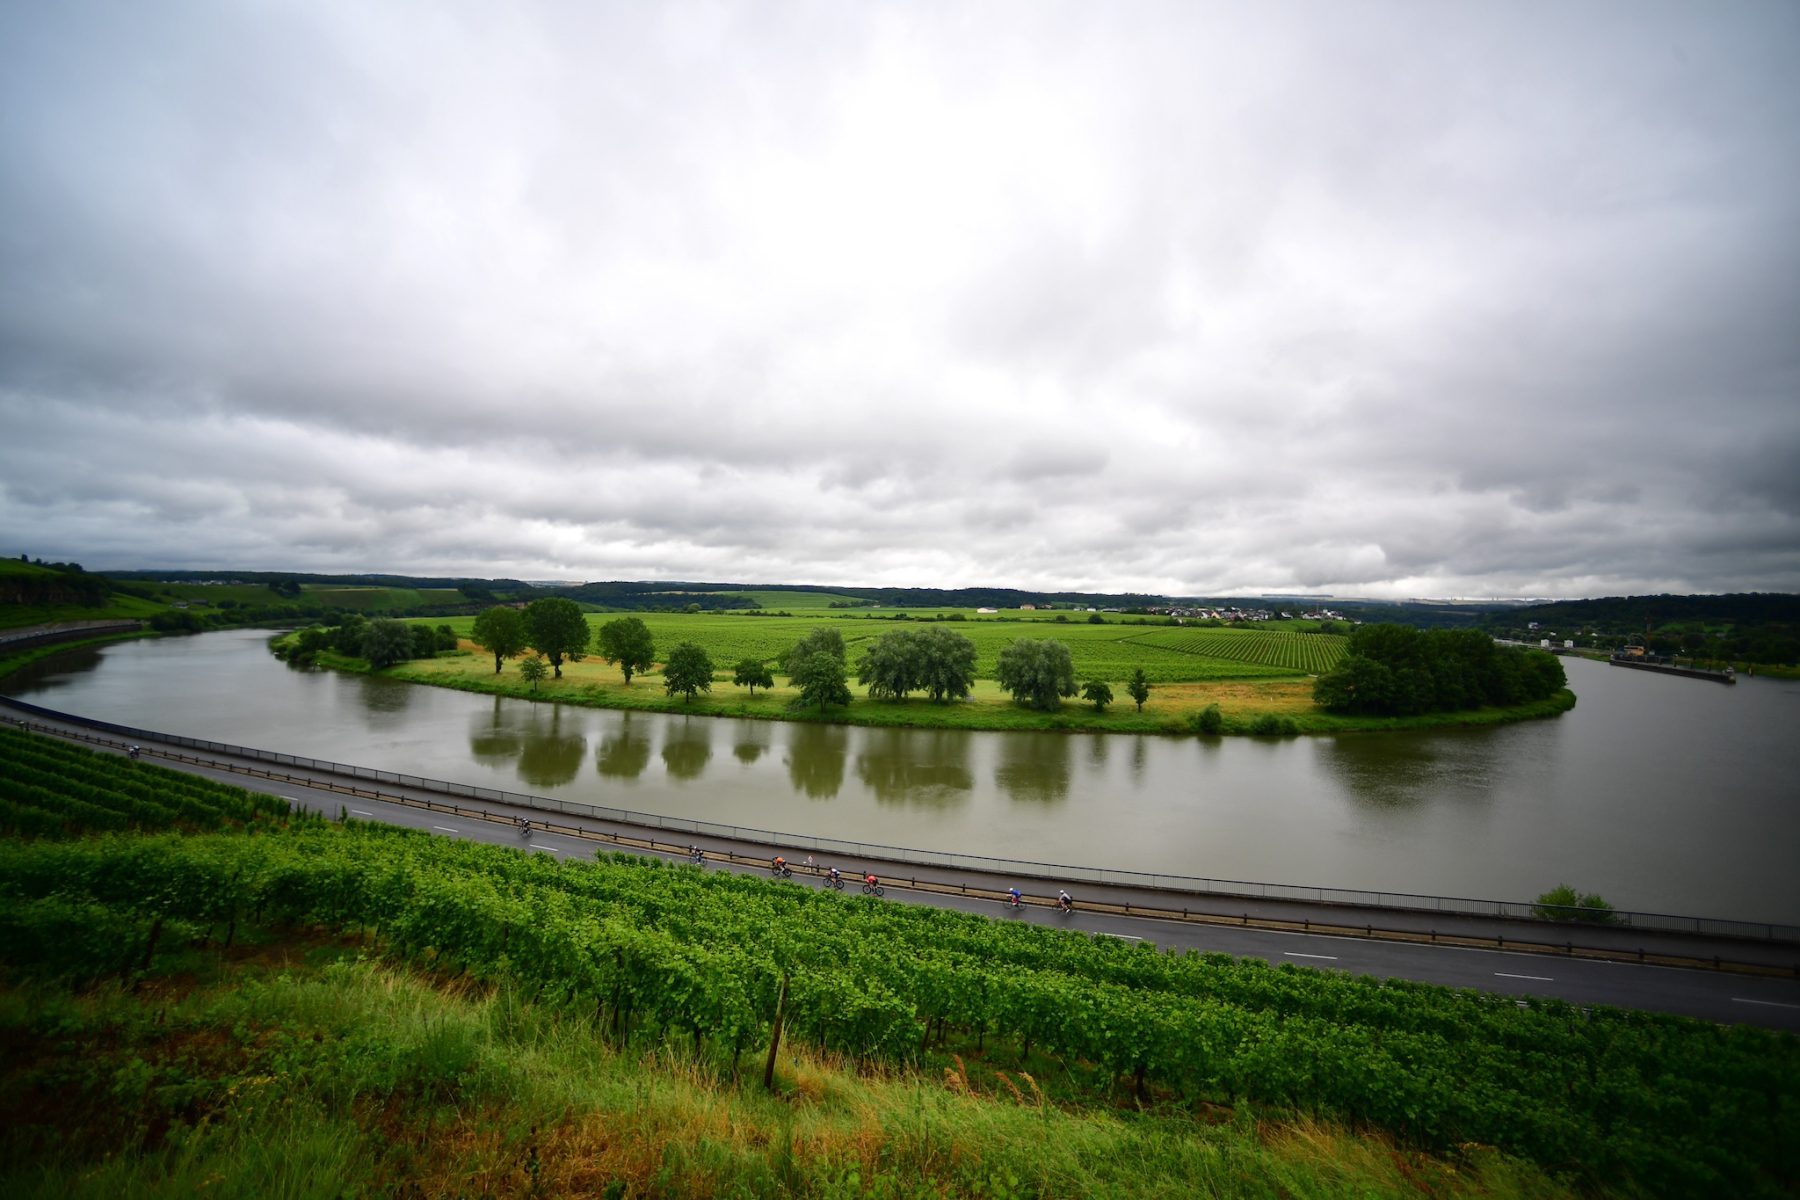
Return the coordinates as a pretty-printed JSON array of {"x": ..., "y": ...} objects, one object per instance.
[{"x": 1198, "y": 298}]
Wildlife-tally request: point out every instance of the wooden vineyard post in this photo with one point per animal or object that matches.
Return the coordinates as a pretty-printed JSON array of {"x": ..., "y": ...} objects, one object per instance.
[{"x": 775, "y": 1035}]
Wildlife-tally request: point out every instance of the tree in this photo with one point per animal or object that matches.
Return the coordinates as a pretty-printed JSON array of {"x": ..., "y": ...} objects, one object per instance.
[
  {"x": 820, "y": 678},
  {"x": 446, "y": 637},
  {"x": 501, "y": 632},
  {"x": 555, "y": 628},
  {"x": 1100, "y": 694},
  {"x": 348, "y": 637},
  {"x": 1138, "y": 688},
  {"x": 1209, "y": 720},
  {"x": 688, "y": 670},
  {"x": 385, "y": 642},
  {"x": 890, "y": 667},
  {"x": 1037, "y": 673},
  {"x": 947, "y": 664},
  {"x": 827, "y": 641},
  {"x": 753, "y": 673},
  {"x": 424, "y": 641},
  {"x": 533, "y": 669},
  {"x": 627, "y": 641}
]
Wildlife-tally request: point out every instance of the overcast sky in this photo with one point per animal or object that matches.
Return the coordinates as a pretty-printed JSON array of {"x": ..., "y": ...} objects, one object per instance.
[{"x": 1416, "y": 299}]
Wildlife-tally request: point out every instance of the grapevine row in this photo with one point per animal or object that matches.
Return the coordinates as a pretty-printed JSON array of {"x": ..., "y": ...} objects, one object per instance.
[{"x": 683, "y": 954}]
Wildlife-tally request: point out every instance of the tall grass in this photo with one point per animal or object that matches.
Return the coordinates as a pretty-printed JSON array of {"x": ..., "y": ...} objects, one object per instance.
[{"x": 332, "y": 1073}]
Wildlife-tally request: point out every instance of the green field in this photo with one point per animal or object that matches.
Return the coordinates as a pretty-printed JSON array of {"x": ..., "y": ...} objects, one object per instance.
[
  {"x": 1313, "y": 653},
  {"x": 1108, "y": 652}
]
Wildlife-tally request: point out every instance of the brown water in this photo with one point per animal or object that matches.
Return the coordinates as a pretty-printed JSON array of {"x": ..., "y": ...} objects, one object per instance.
[{"x": 1659, "y": 793}]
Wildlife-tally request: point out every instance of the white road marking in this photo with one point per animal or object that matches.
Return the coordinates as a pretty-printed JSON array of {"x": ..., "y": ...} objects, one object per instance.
[
  {"x": 1124, "y": 937},
  {"x": 362, "y": 812},
  {"x": 1769, "y": 1003},
  {"x": 1294, "y": 954},
  {"x": 550, "y": 849},
  {"x": 1539, "y": 978},
  {"x": 445, "y": 828},
  {"x": 295, "y": 799}
]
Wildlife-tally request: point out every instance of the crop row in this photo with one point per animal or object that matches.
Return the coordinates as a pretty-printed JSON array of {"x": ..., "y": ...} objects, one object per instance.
[
  {"x": 50, "y": 788},
  {"x": 1314, "y": 653},
  {"x": 680, "y": 953}
]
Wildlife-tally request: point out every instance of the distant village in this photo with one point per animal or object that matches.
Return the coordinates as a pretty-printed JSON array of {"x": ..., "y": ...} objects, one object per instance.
[{"x": 1180, "y": 613}]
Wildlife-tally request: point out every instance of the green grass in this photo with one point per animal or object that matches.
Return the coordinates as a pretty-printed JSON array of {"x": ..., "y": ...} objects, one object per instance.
[
  {"x": 1183, "y": 682},
  {"x": 311, "y": 1067},
  {"x": 1110, "y": 652}
]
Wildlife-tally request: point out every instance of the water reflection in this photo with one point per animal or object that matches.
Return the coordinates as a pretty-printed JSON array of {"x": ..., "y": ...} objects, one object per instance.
[
  {"x": 687, "y": 748},
  {"x": 385, "y": 700},
  {"x": 929, "y": 768},
  {"x": 752, "y": 741},
  {"x": 1139, "y": 753},
  {"x": 549, "y": 756},
  {"x": 46, "y": 674},
  {"x": 1399, "y": 771},
  {"x": 815, "y": 760},
  {"x": 491, "y": 740},
  {"x": 533, "y": 737},
  {"x": 625, "y": 752},
  {"x": 1034, "y": 768}
]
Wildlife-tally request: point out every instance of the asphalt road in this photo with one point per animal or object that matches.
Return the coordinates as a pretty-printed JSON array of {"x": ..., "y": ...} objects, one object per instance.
[{"x": 1709, "y": 995}]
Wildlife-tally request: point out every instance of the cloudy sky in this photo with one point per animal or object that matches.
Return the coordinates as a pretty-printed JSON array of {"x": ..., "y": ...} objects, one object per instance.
[{"x": 1414, "y": 299}]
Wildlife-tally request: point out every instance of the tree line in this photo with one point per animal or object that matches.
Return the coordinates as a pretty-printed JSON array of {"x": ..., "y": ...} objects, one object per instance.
[
  {"x": 935, "y": 661},
  {"x": 1396, "y": 670}
]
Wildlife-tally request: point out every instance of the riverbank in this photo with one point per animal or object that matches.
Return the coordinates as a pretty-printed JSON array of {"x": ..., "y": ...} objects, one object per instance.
[{"x": 1172, "y": 709}]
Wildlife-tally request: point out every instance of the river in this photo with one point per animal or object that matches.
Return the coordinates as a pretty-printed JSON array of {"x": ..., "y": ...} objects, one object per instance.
[{"x": 1661, "y": 794}]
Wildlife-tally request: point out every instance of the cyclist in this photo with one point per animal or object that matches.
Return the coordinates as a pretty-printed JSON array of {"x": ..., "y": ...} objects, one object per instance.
[
  {"x": 134, "y": 751},
  {"x": 779, "y": 866},
  {"x": 1014, "y": 893},
  {"x": 871, "y": 881},
  {"x": 696, "y": 855},
  {"x": 1064, "y": 901},
  {"x": 835, "y": 876},
  {"x": 523, "y": 826}
]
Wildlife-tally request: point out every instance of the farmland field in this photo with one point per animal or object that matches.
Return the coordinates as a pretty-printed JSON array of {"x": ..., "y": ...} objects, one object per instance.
[
  {"x": 1313, "y": 653},
  {"x": 1109, "y": 652}
]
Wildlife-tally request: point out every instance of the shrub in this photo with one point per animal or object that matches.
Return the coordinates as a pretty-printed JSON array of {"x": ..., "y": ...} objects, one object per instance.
[
  {"x": 1564, "y": 903},
  {"x": 1208, "y": 720}
]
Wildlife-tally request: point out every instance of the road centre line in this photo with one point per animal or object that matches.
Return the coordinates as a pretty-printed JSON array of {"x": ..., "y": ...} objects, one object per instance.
[
  {"x": 1768, "y": 1003},
  {"x": 1124, "y": 937},
  {"x": 445, "y": 828},
  {"x": 1295, "y": 954},
  {"x": 361, "y": 812},
  {"x": 1539, "y": 978}
]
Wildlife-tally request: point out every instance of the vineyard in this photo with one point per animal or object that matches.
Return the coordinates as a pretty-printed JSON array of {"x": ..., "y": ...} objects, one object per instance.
[
  {"x": 51, "y": 789},
  {"x": 1313, "y": 653},
  {"x": 710, "y": 962}
]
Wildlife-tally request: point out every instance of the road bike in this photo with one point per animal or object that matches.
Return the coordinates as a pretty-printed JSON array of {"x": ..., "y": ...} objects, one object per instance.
[{"x": 873, "y": 889}]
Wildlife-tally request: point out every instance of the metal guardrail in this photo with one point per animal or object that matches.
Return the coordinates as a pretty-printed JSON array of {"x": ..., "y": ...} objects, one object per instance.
[{"x": 1066, "y": 873}]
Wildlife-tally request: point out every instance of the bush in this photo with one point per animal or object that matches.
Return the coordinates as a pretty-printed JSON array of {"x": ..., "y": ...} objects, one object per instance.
[
  {"x": 1208, "y": 720},
  {"x": 1564, "y": 903}
]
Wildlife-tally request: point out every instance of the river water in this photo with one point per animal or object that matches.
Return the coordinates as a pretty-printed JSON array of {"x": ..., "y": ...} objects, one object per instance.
[{"x": 1659, "y": 793}]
